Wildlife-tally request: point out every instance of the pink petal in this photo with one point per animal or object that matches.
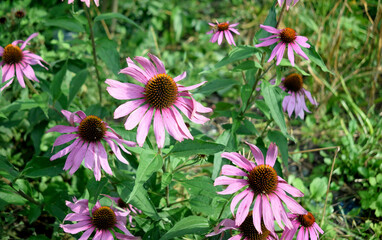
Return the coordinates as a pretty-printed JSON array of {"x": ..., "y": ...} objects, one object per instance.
[
  {"x": 226, "y": 32},
  {"x": 8, "y": 72},
  {"x": 90, "y": 156},
  {"x": 237, "y": 199},
  {"x": 270, "y": 29},
  {"x": 271, "y": 155},
  {"x": 29, "y": 73},
  {"x": 144, "y": 127},
  {"x": 124, "y": 91},
  {"x": 87, "y": 234},
  {"x": 158, "y": 63},
  {"x": 180, "y": 122},
  {"x": 19, "y": 74},
  {"x": 318, "y": 228},
  {"x": 171, "y": 125},
  {"x": 66, "y": 150},
  {"x": 243, "y": 210},
  {"x": 136, "y": 73},
  {"x": 292, "y": 205},
  {"x": 256, "y": 152},
  {"x": 75, "y": 157},
  {"x": 127, "y": 108},
  {"x": 28, "y": 39},
  {"x": 63, "y": 129},
  {"x": 150, "y": 69},
  {"x": 182, "y": 88},
  {"x": 275, "y": 51},
  {"x": 268, "y": 217},
  {"x": 223, "y": 180},
  {"x": 289, "y": 189},
  {"x": 180, "y": 77},
  {"x": 215, "y": 37},
  {"x": 258, "y": 210},
  {"x": 159, "y": 129},
  {"x": 64, "y": 139},
  {"x": 280, "y": 53},
  {"x": 116, "y": 151},
  {"x": 77, "y": 227},
  {"x": 302, "y": 41},
  {"x": 267, "y": 42},
  {"x": 298, "y": 50},
  {"x": 292, "y": 104},
  {"x": 234, "y": 187},
  {"x": 221, "y": 35},
  {"x": 135, "y": 117},
  {"x": 238, "y": 160},
  {"x": 103, "y": 159},
  {"x": 290, "y": 55},
  {"x": 233, "y": 171}
]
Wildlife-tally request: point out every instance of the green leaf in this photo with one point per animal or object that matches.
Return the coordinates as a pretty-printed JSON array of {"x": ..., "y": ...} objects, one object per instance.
[
  {"x": 42, "y": 166},
  {"x": 166, "y": 180},
  {"x": 216, "y": 85},
  {"x": 105, "y": 16},
  {"x": 269, "y": 21},
  {"x": 218, "y": 161},
  {"x": 238, "y": 53},
  {"x": 286, "y": 63},
  {"x": 69, "y": 24},
  {"x": 245, "y": 93},
  {"x": 282, "y": 144},
  {"x": 176, "y": 16},
  {"x": 7, "y": 170},
  {"x": 95, "y": 188},
  {"x": 55, "y": 87},
  {"x": 193, "y": 147},
  {"x": 34, "y": 213},
  {"x": 247, "y": 65},
  {"x": 273, "y": 101},
  {"x": 147, "y": 166},
  {"x": 315, "y": 57},
  {"x": 107, "y": 51},
  {"x": 27, "y": 104},
  {"x": 318, "y": 188},
  {"x": 188, "y": 225},
  {"x": 141, "y": 199},
  {"x": 76, "y": 84}
]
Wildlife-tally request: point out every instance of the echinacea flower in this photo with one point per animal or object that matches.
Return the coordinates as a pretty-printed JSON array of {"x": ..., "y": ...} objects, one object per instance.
[
  {"x": 307, "y": 225},
  {"x": 284, "y": 37},
  {"x": 127, "y": 207},
  {"x": 87, "y": 2},
  {"x": 221, "y": 29},
  {"x": 87, "y": 143},
  {"x": 295, "y": 102},
  {"x": 16, "y": 59},
  {"x": 20, "y": 14},
  {"x": 160, "y": 97},
  {"x": 247, "y": 230},
  {"x": 262, "y": 186},
  {"x": 288, "y": 3},
  {"x": 104, "y": 220}
]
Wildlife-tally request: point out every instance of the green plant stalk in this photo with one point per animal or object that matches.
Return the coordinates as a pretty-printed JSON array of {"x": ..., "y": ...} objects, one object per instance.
[
  {"x": 29, "y": 84},
  {"x": 94, "y": 51},
  {"x": 20, "y": 192}
]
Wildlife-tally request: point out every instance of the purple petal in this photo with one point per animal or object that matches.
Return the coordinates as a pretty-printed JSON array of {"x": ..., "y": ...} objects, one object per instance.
[
  {"x": 257, "y": 217},
  {"x": 135, "y": 117},
  {"x": 237, "y": 199},
  {"x": 144, "y": 126},
  {"x": 103, "y": 159},
  {"x": 271, "y": 155},
  {"x": 65, "y": 151},
  {"x": 268, "y": 217},
  {"x": 267, "y": 42},
  {"x": 256, "y": 152},
  {"x": 64, "y": 139},
  {"x": 87, "y": 234},
  {"x": 182, "y": 88},
  {"x": 298, "y": 50},
  {"x": 233, "y": 171},
  {"x": 150, "y": 69},
  {"x": 77, "y": 227},
  {"x": 275, "y": 51},
  {"x": 159, "y": 129},
  {"x": 290, "y": 55},
  {"x": 238, "y": 160},
  {"x": 221, "y": 35},
  {"x": 63, "y": 129},
  {"x": 292, "y": 205},
  {"x": 243, "y": 210},
  {"x": 270, "y": 29},
  {"x": 158, "y": 63},
  {"x": 234, "y": 187},
  {"x": 280, "y": 53},
  {"x": 28, "y": 39},
  {"x": 180, "y": 77}
]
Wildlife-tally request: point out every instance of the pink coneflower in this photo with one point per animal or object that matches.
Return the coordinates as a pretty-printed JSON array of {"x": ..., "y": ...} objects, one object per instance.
[
  {"x": 288, "y": 3},
  {"x": 295, "y": 102},
  {"x": 284, "y": 37},
  {"x": 16, "y": 59},
  {"x": 160, "y": 98},
  {"x": 130, "y": 209},
  {"x": 87, "y": 2},
  {"x": 247, "y": 230},
  {"x": 262, "y": 185},
  {"x": 87, "y": 143},
  {"x": 305, "y": 222},
  {"x": 103, "y": 220},
  {"x": 221, "y": 29}
]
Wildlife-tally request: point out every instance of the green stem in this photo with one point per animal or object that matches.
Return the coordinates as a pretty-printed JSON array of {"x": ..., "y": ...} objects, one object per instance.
[
  {"x": 29, "y": 84},
  {"x": 20, "y": 192},
  {"x": 94, "y": 52},
  {"x": 281, "y": 15}
]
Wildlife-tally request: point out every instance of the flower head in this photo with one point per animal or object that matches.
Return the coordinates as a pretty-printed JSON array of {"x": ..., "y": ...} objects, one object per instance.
[
  {"x": 295, "y": 102},
  {"x": 286, "y": 37},
  {"x": 17, "y": 59},
  {"x": 126, "y": 207},
  {"x": 288, "y": 3},
  {"x": 262, "y": 185},
  {"x": 87, "y": 143},
  {"x": 20, "y": 14},
  {"x": 3, "y": 20},
  {"x": 221, "y": 29},
  {"x": 160, "y": 97},
  {"x": 247, "y": 230},
  {"x": 103, "y": 219},
  {"x": 307, "y": 225},
  {"x": 87, "y": 2}
]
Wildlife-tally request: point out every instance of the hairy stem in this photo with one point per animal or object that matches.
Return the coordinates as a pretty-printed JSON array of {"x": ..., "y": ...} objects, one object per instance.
[{"x": 94, "y": 52}]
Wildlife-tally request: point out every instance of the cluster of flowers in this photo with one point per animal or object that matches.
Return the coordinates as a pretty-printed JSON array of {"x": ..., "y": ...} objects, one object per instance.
[{"x": 158, "y": 101}]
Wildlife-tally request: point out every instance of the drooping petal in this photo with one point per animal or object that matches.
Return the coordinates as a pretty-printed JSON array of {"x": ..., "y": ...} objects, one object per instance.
[
  {"x": 270, "y": 29},
  {"x": 77, "y": 227},
  {"x": 135, "y": 117},
  {"x": 180, "y": 77},
  {"x": 268, "y": 217},
  {"x": 233, "y": 171},
  {"x": 65, "y": 151},
  {"x": 103, "y": 159},
  {"x": 159, "y": 129},
  {"x": 243, "y": 210},
  {"x": 63, "y": 129},
  {"x": 64, "y": 139},
  {"x": 188, "y": 88},
  {"x": 87, "y": 234},
  {"x": 144, "y": 127},
  {"x": 292, "y": 205},
  {"x": 234, "y": 187},
  {"x": 237, "y": 199},
  {"x": 28, "y": 39},
  {"x": 126, "y": 108}
]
